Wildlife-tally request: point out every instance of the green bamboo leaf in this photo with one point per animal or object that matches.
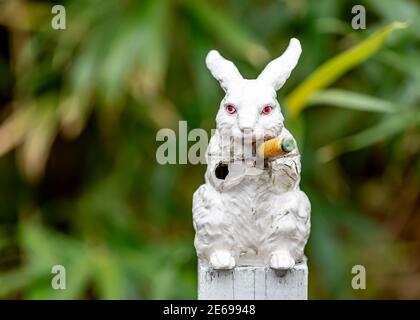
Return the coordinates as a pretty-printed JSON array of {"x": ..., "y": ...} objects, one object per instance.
[
  {"x": 351, "y": 100},
  {"x": 233, "y": 35},
  {"x": 108, "y": 277},
  {"x": 406, "y": 62},
  {"x": 42, "y": 249},
  {"x": 75, "y": 107},
  {"x": 139, "y": 52},
  {"x": 83, "y": 21},
  {"x": 15, "y": 127},
  {"x": 155, "y": 54},
  {"x": 337, "y": 66},
  {"x": 45, "y": 248},
  {"x": 36, "y": 147},
  {"x": 387, "y": 128},
  {"x": 18, "y": 279},
  {"x": 392, "y": 10}
]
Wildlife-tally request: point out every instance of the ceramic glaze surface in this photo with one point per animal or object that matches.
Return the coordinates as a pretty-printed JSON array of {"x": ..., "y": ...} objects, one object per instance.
[{"x": 251, "y": 212}]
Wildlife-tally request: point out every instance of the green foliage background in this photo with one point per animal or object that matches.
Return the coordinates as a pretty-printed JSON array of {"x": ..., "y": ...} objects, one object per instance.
[{"x": 80, "y": 108}]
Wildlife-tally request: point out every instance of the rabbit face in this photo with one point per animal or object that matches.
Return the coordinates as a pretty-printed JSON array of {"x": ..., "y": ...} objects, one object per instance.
[{"x": 250, "y": 106}]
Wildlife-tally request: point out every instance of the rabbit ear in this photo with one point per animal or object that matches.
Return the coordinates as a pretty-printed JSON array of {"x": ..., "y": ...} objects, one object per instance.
[
  {"x": 222, "y": 69},
  {"x": 278, "y": 71}
]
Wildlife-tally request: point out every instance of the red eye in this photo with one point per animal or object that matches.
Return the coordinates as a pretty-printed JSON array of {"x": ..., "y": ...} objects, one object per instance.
[
  {"x": 266, "y": 110},
  {"x": 230, "y": 109}
]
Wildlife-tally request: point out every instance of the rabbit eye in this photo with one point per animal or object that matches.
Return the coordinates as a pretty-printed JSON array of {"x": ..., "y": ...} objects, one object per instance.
[
  {"x": 267, "y": 109},
  {"x": 230, "y": 109}
]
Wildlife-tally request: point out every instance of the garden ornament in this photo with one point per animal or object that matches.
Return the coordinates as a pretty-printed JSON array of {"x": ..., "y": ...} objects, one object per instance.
[{"x": 251, "y": 211}]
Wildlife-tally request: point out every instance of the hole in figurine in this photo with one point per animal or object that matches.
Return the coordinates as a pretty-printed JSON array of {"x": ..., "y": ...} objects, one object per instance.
[{"x": 222, "y": 171}]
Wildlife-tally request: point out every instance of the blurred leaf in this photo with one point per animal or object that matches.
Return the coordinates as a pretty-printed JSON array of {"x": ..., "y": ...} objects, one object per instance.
[
  {"x": 109, "y": 282},
  {"x": 297, "y": 127},
  {"x": 326, "y": 250},
  {"x": 406, "y": 62},
  {"x": 18, "y": 279},
  {"x": 351, "y": 100},
  {"x": 42, "y": 249},
  {"x": 38, "y": 141},
  {"x": 154, "y": 52},
  {"x": 83, "y": 22},
  {"x": 24, "y": 15},
  {"x": 332, "y": 226},
  {"x": 233, "y": 35},
  {"x": 14, "y": 128},
  {"x": 162, "y": 286},
  {"x": 401, "y": 10},
  {"x": 337, "y": 66},
  {"x": 139, "y": 51},
  {"x": 334, "y": 26},
  {"x": 162, "y": 187},
  {"x": 363, "y": 228},
  {"x": 389, "y": 126},
  {"x": 75, "y": 105}
]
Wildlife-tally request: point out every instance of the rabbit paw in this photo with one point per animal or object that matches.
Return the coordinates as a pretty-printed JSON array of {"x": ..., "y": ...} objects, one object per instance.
[
  {"x": 222, "y": 259},
  {"x": 281, "y": 260}
]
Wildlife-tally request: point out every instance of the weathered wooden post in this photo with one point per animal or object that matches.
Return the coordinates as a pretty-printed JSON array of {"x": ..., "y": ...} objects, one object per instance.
[
  {"x": 252, "y": 283},
  {"x": 252, "y": 221}
]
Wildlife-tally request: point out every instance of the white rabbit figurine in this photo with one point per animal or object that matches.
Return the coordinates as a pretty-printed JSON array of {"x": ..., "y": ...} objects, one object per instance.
[{"x": 245, "y": 214}]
